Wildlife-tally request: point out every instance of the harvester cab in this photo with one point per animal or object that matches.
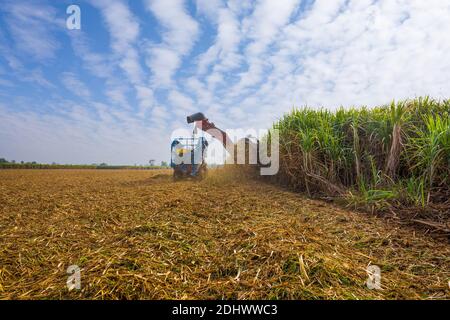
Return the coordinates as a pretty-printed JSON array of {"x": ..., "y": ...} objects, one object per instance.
[
  {"x": 188, "y": 153},
  {"x": 188, "y": 157}
]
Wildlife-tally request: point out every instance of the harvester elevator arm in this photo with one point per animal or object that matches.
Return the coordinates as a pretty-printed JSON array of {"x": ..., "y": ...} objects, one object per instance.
[{"x": 202, "y": 123}]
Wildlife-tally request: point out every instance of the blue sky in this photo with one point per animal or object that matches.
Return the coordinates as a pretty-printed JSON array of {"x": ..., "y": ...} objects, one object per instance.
[{"x": 115, "y": 90}]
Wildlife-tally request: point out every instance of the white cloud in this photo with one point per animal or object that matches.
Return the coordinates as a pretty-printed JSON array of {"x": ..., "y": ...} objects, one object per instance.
[
  {"x": 99, "y": 65},
  {"x": 163, "y": 62},
  {"x": 372, "y": 52},
  {"x": 179, "y": 34},
  {"x": 208, "y": 8},
  {"x": 337, "y": 53},
  {"x": 124, "y": 30},
  {"x": 75, "y": 85},
  {"x": 36, "y": 76},
  {"x": 6, "y": 83},
  {"x": 265, "y": 23},
  {"x": 145, "y": 98},
  {"x": 262, "y": 28},
  {"x": 180, "y": 29},
  {"x": 31, "y": 25},
  {"x": 78, "y": 137},
  {"x": 203, "y": 96},
  {"x": 117, "y": 93},
  {"x": 226, "y": 46},
  {"x": 180, "y": 102}
]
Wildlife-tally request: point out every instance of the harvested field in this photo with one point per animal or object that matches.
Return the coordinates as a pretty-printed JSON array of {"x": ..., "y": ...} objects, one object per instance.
[{"x": 138, "y": 235}]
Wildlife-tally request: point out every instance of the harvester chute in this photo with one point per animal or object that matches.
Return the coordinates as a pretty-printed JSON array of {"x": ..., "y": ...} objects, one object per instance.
[{"x": 188, "y": 154}]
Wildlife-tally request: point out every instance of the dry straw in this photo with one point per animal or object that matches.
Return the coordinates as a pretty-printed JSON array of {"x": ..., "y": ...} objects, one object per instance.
[{"x": 138, "y": 235}]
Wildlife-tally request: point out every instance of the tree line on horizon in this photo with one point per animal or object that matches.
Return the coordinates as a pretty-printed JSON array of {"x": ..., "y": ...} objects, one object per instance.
[{"x": 5, "y": 164}]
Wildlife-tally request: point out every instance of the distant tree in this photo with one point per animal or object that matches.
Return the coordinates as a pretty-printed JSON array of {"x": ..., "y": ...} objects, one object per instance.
[
  {"x": 151, "y": 162},
  {"x": 22, "y": 162},
  {"x": 3, "y": 160},
  {"x": 34, "y": 162},
  {"x": 13, "y": 161},
  {"x": 103, "y": 164},
  {"x": 164, "y": 164}
]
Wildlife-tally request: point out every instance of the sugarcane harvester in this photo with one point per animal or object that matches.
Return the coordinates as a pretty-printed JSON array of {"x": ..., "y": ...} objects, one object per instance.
[{"x": 188, "y": 153}]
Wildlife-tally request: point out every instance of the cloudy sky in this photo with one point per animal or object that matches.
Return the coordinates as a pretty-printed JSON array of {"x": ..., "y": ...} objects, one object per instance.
[{"x": 115, "y": 90}]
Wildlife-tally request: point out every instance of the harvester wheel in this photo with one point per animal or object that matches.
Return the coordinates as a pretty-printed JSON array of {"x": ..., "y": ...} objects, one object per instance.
[
  {"x": 202, "y": 173},
  {"x": 176, "y": 175}
]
